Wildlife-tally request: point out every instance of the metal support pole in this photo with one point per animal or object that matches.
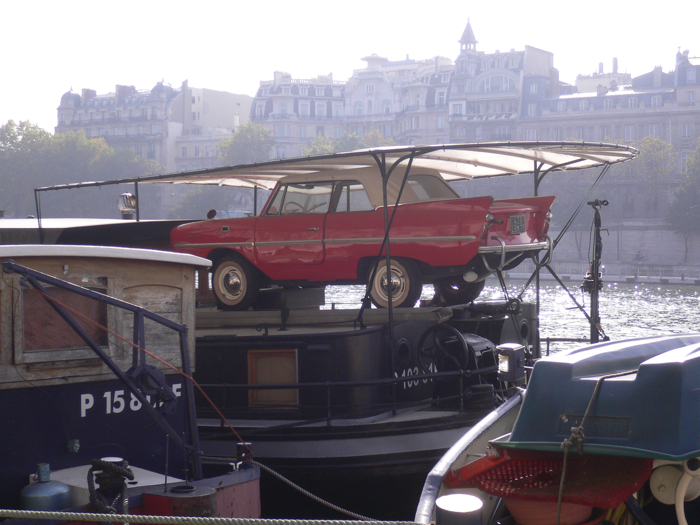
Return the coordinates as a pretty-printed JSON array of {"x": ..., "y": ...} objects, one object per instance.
[
  {"x": 138, "y": 201},
  {"x": 595, "y": 269}
]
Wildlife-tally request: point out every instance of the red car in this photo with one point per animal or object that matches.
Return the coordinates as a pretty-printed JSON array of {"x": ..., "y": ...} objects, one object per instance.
[{"x": 327, "y": 226}]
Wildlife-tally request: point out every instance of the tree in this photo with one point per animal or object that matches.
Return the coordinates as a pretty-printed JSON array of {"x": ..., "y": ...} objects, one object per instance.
[
  {"x": 31, "y": 157},
  {"x": 323, "y": 145},
  {"x": 646, "y": 176},
  {"x": 684, "y": 213},
  {"x": 251, "y": 143},
  {"x": 24, "y": 137}
]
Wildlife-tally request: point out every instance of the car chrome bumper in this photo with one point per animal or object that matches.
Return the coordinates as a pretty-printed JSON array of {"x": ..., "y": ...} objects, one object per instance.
[{"x": 529, "y": 247}]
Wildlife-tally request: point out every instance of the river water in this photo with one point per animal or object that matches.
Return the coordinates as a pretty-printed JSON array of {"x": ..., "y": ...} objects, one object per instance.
[{"x": 626, "y": 310}]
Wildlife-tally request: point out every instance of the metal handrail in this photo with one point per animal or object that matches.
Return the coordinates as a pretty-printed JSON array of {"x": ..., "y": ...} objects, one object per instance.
[{"x": 330, "y": 386}]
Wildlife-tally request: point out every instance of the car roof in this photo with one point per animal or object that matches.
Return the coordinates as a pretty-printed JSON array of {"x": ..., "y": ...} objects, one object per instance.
[{"x": 369, "y": 180}]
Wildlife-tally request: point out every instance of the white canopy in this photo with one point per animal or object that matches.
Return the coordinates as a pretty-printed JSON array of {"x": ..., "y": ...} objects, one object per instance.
[{"x": 453, "y": 161}]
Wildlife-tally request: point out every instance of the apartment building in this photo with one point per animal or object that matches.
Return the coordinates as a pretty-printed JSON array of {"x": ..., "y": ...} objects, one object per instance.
[{"x": 179, "y": 128}]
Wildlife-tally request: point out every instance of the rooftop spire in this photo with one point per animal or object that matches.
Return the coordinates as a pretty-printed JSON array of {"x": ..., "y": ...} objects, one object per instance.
[{"x": 468, "y": 39}]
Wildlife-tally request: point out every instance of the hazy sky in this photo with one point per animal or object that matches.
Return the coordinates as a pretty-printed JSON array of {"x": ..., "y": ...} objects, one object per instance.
[{"x": 231, "y": 45}]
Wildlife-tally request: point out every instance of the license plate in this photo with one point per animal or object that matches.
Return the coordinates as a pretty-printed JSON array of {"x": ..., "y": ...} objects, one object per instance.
[{"x": 517, "y": 224}]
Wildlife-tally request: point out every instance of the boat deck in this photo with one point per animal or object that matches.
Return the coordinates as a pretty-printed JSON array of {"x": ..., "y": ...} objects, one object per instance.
[{"x": 213, "y": 322}]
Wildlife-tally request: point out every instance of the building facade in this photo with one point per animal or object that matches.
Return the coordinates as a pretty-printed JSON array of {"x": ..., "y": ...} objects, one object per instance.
[
  {"x": 295, "y": 111},
  {"x": 179, "y": 128},
  {"x": 481, "y": 97}
]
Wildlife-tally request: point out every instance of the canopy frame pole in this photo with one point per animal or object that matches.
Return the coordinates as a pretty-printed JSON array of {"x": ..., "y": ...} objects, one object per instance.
[
  {"x": 138, "y": 201},
  {"x": 386, "y": 174},
  {"x": 538, "y": 180},
  {"x": 37, "y": 202}
]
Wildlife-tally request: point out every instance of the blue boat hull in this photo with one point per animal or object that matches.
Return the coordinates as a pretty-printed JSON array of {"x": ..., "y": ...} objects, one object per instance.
[{"x": 44, "y": 425}]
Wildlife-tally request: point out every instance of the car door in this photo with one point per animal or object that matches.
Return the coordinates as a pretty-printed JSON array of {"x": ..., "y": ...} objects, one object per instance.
[{"x": 291, "y": 231}]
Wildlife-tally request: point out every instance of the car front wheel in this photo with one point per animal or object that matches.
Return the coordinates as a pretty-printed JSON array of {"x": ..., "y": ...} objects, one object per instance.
[
  {"x": 235, "y": 283},
  {"x": 405, "y": 284}
]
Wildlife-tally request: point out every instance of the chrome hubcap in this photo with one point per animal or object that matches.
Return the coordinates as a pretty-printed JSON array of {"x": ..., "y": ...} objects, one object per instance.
[
  {"x": 396, "y": 284},
  {"x": 232, "y": 283}
]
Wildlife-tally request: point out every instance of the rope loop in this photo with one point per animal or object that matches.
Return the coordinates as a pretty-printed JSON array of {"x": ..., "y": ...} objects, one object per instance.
[
  {"x": 577, "y": 438},
  {"x": 111, "y": 478}
]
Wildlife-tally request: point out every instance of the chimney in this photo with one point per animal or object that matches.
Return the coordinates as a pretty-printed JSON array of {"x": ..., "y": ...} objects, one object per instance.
[
  {"x": 123, "y": 91},
  {"x": 600, "y": 68},
  {"x": 554, "y": 82},
  {"x": 615, "y": 65},
  {"x": 657, "y": 76}
]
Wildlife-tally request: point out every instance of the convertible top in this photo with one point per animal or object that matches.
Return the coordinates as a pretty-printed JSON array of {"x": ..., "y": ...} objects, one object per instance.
[{"x": 452, "y": 161}]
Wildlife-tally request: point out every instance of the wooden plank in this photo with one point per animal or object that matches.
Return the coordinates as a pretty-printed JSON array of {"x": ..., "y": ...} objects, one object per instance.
[
  {"x": 6, "y": 321},
  {"x": 158, "y": 299}
]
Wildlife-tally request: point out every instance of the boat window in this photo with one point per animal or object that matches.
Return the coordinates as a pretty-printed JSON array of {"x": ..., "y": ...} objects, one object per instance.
[
  {"x": 47, "y": 337},
  {"x": 307, "y": 198},
  {"x": 272, "y": 367},
  {"x": 352, "y": 197},
  {"x": 426, "y": 187}
]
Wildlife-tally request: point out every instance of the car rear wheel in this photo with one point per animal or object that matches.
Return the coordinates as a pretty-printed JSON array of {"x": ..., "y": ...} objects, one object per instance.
[
  {"x": 406, "y": 284},
  {"x": 235, "y": 283},
  {"x": 455, "y": 290}
]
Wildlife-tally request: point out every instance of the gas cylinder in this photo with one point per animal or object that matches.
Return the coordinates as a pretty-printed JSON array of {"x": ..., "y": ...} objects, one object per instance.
[{"x": 45, "y": 494}]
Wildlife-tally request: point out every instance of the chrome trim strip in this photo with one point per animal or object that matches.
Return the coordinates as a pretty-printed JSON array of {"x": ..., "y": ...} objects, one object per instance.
[
  {"x": 215, "y": 245},
  {"x": 402, "y": 239},
  {"x": 515, "y": 247},
  {"x": 289, "y": 243},
  {"x": 361, "y": 240}
]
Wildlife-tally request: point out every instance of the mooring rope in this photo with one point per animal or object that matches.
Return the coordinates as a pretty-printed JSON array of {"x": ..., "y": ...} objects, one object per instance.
[
  {"x": 179, "y": 520},
  {"x": 313, "y": 496},
  {"x": 111, "y": 478}
]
